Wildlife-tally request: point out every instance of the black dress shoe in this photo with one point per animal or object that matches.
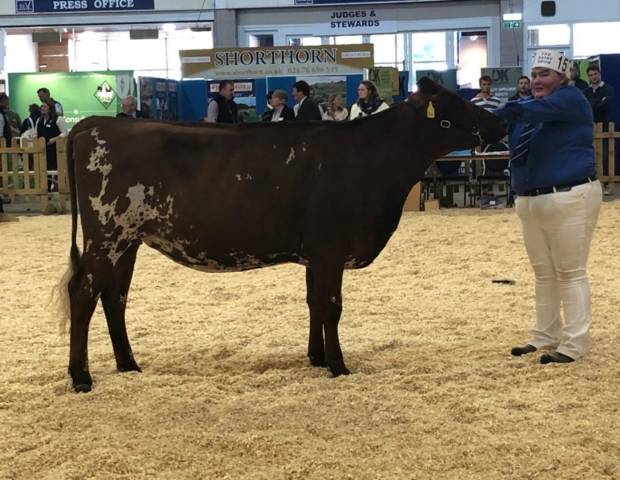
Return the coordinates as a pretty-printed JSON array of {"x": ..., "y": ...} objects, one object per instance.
[
  {"x": 518, "y": 351},
  {"x": 555, "y": 357}
]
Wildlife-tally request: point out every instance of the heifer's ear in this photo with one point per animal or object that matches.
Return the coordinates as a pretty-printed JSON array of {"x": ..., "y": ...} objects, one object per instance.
[
  {"x": 423, "y": 104},
  {"x": 427, "y": 86}
]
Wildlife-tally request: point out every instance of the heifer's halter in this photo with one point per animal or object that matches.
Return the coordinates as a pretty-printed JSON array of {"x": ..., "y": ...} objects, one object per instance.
[{"x": 447, "y": 124}]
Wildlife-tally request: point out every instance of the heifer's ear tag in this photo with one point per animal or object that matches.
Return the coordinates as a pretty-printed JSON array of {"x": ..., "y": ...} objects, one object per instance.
[{"x": 430, "y": 110}]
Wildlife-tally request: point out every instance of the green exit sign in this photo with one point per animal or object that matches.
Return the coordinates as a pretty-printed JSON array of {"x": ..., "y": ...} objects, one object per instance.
[{"x": 512, "y": 24}]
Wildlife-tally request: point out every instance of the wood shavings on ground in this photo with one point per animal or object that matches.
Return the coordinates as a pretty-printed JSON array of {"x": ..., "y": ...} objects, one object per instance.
[{"x": 227, "y": 393}]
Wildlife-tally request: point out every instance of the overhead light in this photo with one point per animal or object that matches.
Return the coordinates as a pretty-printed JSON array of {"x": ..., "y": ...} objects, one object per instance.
[
  {"x": 168, "y": 27},
  {"x": 473, "y": 38},
  {"x": 512, "y": 17}
]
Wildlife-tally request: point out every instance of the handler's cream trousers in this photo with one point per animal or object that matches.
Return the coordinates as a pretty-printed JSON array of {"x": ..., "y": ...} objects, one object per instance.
[{"x": 557, "y": 230}]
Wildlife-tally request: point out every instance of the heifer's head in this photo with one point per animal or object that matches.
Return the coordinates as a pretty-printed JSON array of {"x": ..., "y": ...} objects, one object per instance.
[{"x": 463, "y": 124}]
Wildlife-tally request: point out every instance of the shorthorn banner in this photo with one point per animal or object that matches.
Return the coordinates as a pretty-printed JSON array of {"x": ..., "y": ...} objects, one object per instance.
[{"x": 230, "y": 63}]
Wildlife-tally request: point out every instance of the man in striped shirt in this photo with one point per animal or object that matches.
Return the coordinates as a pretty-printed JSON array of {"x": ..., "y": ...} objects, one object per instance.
[{"x": 485, "y": 99}]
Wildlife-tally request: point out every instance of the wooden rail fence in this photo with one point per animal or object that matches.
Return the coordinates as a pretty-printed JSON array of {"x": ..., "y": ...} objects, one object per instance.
[
  {"x": 23, "y": 171},
  {"x": 605, "y": 152}
]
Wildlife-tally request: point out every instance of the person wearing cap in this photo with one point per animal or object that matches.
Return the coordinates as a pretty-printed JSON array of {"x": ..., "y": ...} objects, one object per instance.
[{"x": 558, "y": 201}]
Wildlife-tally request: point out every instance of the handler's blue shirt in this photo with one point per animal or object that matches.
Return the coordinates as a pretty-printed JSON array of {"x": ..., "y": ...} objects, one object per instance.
[{"x": 561, "y": 149}]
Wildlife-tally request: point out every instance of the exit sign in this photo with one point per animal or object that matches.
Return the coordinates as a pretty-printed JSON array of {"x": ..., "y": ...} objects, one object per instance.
[{"x": 512, "y": 24}]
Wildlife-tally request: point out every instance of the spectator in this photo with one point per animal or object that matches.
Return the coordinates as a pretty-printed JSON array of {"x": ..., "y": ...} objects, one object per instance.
[
  {"x": 266, "y": 115},
  {"x": 34, "y": 112},
  {"x": 280, "y": 111},
  {"x": 51, "y": 126},
  {"x": 334, "y": 109},
  {"x": 28, "y": 130},
  {"x": 9, "y": 127},
  {"x": 600, "y": 95},
  {"x": 44, "y": 96},
  {"x": 575, "y": 80},
  {"x": 523, "y": 90},
  {"x": 5, "y": 124},
  {"x": 129, "y": 105},
  {"x": 558, "y": 200},
  {"x": 369, "y": 102},
  {"x": 305, "y": 108},
  {"x": 222, "y": 108},
  {"x": 485, "y": 99},
  {"x": 13, "y": 118}
]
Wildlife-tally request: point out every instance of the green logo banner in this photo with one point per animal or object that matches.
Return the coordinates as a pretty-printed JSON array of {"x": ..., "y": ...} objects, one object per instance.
[{"x": 82, "y": 94}]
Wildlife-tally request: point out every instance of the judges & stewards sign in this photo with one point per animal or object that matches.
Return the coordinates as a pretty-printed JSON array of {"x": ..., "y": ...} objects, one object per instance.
[
  {"x": 69, "y": 6},
  {"x": 227, "y": 63}
]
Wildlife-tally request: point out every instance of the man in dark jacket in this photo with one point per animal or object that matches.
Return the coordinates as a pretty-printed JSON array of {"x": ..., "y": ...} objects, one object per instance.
[
  {"x": 222, "y": 108},
  {"x": 599, "y": 94},
  {"x": 5, "y": 124},
  {"x": 575, "y": 79},
  {"x": 130, "y": 108},
  {"x": 523, "y": 91},
  {"x": 305, "y": 109}
]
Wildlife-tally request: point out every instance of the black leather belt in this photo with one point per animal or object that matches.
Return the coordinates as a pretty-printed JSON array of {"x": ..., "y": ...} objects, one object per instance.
[{"x": 565, "y": 187}]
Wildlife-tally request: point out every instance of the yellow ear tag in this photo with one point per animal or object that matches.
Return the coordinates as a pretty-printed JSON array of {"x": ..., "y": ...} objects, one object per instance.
[{"x": 430, "y": 111}]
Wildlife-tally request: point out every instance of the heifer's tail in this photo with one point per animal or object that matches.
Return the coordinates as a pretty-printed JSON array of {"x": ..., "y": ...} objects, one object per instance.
[{"x": 60, "y": 293}]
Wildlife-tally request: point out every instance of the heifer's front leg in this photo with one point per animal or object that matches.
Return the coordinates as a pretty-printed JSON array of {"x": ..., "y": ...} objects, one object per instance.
[
  {"x": 83, "y": 298},
  {"x": 326, "y": 307},
  {"x": 114, "y": 300},
  {"x": 316, "y": 343}
]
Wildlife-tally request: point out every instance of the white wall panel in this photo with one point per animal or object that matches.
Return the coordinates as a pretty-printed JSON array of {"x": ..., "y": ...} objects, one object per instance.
[
  {"x": 569, "y": 11},
  {"x": 21, "y": 54}
]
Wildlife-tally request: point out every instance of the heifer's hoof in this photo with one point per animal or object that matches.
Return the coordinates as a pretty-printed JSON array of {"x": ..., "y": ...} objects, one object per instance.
[
  {"x": 317, "y": 361},
  {"x": 82, "y": 388},
  {"x": 338, "y": 370},
  {"x": 128, "y": 367},
  {"x": 82, "y": 381}
]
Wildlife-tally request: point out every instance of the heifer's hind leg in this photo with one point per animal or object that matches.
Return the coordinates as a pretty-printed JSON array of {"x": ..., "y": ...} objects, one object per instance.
[
  {"x": 114, "y": 300},
  {"x": 316, "y": 343},
  {"x": 325, "y": 302},
  {"x": 83, "y": 295}
]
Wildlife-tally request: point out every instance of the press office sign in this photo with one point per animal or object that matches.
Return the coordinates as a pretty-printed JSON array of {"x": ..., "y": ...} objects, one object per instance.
[
  {"x": 328, "y": 2},
  {"x": 76, "y": 6},
  {"x": 227, "y": 63}
]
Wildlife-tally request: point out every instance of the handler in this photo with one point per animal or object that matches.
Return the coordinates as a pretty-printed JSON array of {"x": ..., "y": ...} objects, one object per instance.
[{"x": 558, "y": 200}]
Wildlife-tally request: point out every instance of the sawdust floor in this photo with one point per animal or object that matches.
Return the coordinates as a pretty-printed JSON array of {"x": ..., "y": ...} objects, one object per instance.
[{"x": 226, "y": 391}]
